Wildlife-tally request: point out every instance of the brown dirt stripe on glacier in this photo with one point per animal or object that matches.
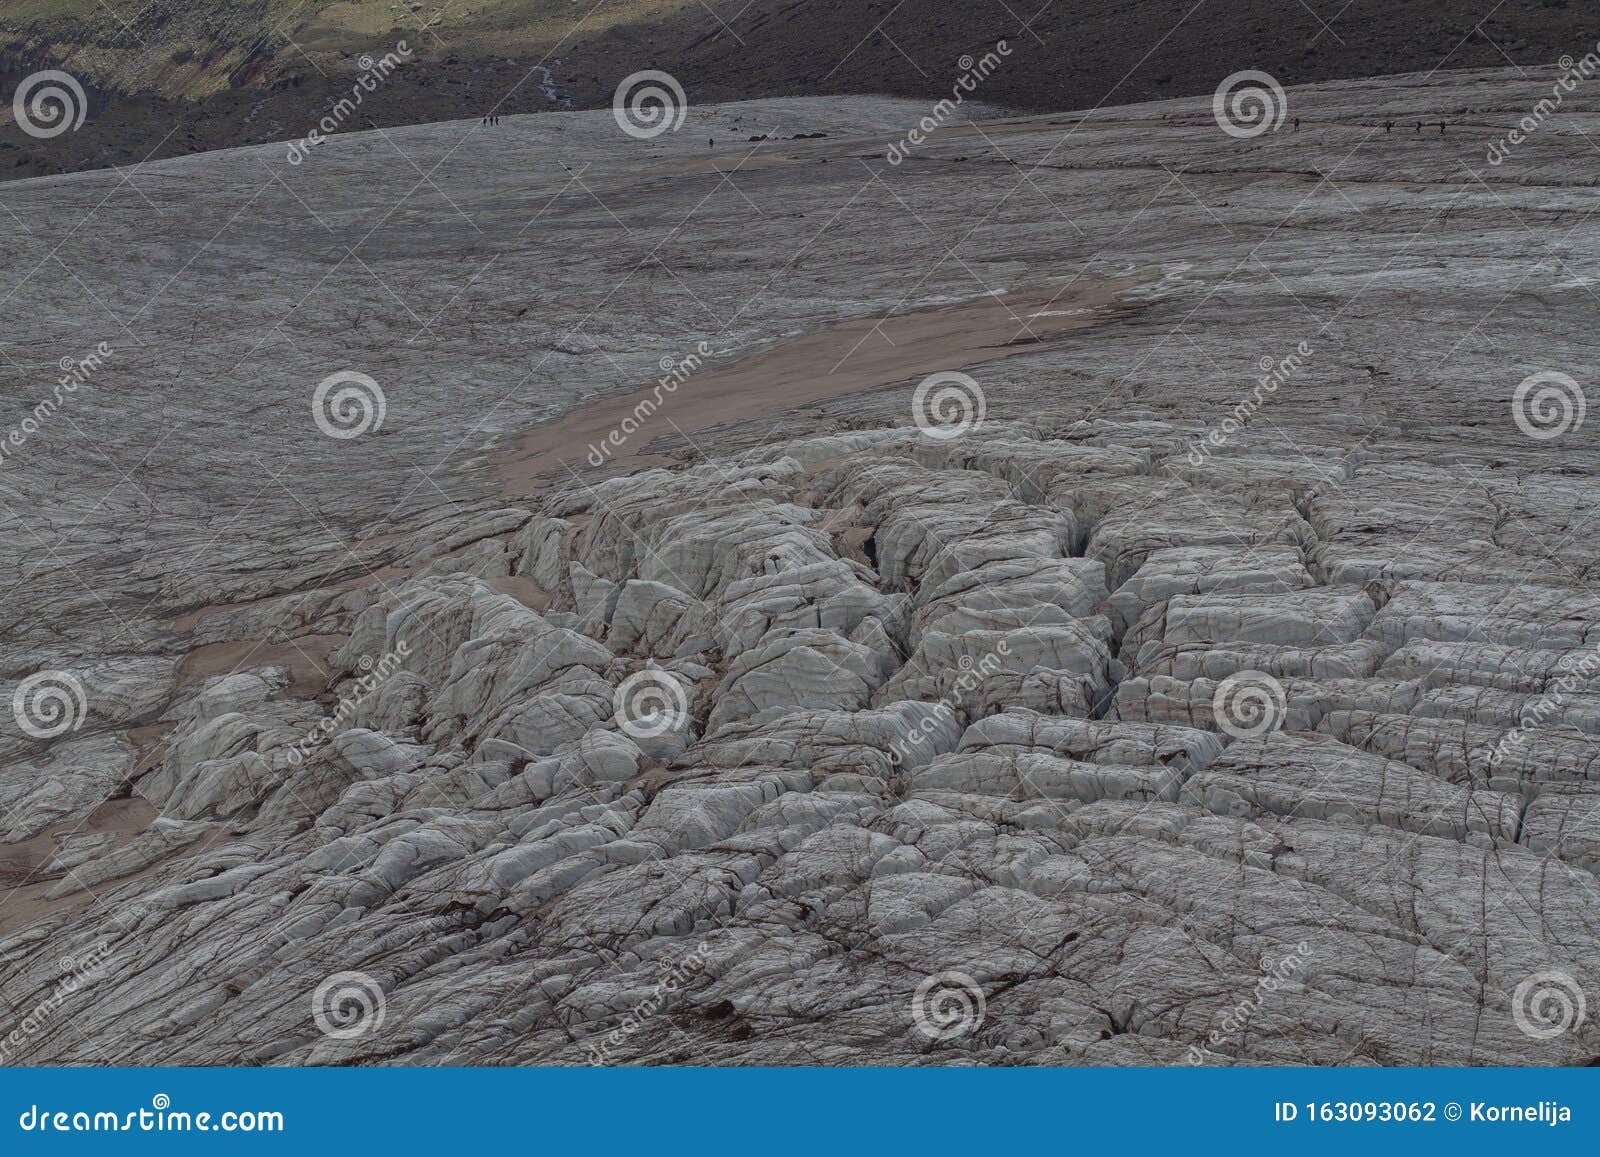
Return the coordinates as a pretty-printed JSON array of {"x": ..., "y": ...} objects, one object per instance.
[{"x": 846, "y": 358}]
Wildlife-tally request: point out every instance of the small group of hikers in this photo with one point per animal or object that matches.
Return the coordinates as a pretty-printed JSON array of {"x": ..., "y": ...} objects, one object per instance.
[
  {"x": 1388, "y": 126},
  {"x": 491, "y": 119}
]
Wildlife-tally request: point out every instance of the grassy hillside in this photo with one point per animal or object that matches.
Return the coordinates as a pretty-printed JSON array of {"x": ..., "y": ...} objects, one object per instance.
[{"x": 192, "y": 49}]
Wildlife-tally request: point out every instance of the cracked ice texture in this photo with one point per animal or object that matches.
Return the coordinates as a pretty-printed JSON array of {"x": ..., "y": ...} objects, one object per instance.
[{"x": 1073, "y": 830}]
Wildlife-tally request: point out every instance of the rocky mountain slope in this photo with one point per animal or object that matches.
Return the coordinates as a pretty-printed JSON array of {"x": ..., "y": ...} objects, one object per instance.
[
  {"x": 1204, "y": 675},
  {"x": 172, "y": 78}
]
